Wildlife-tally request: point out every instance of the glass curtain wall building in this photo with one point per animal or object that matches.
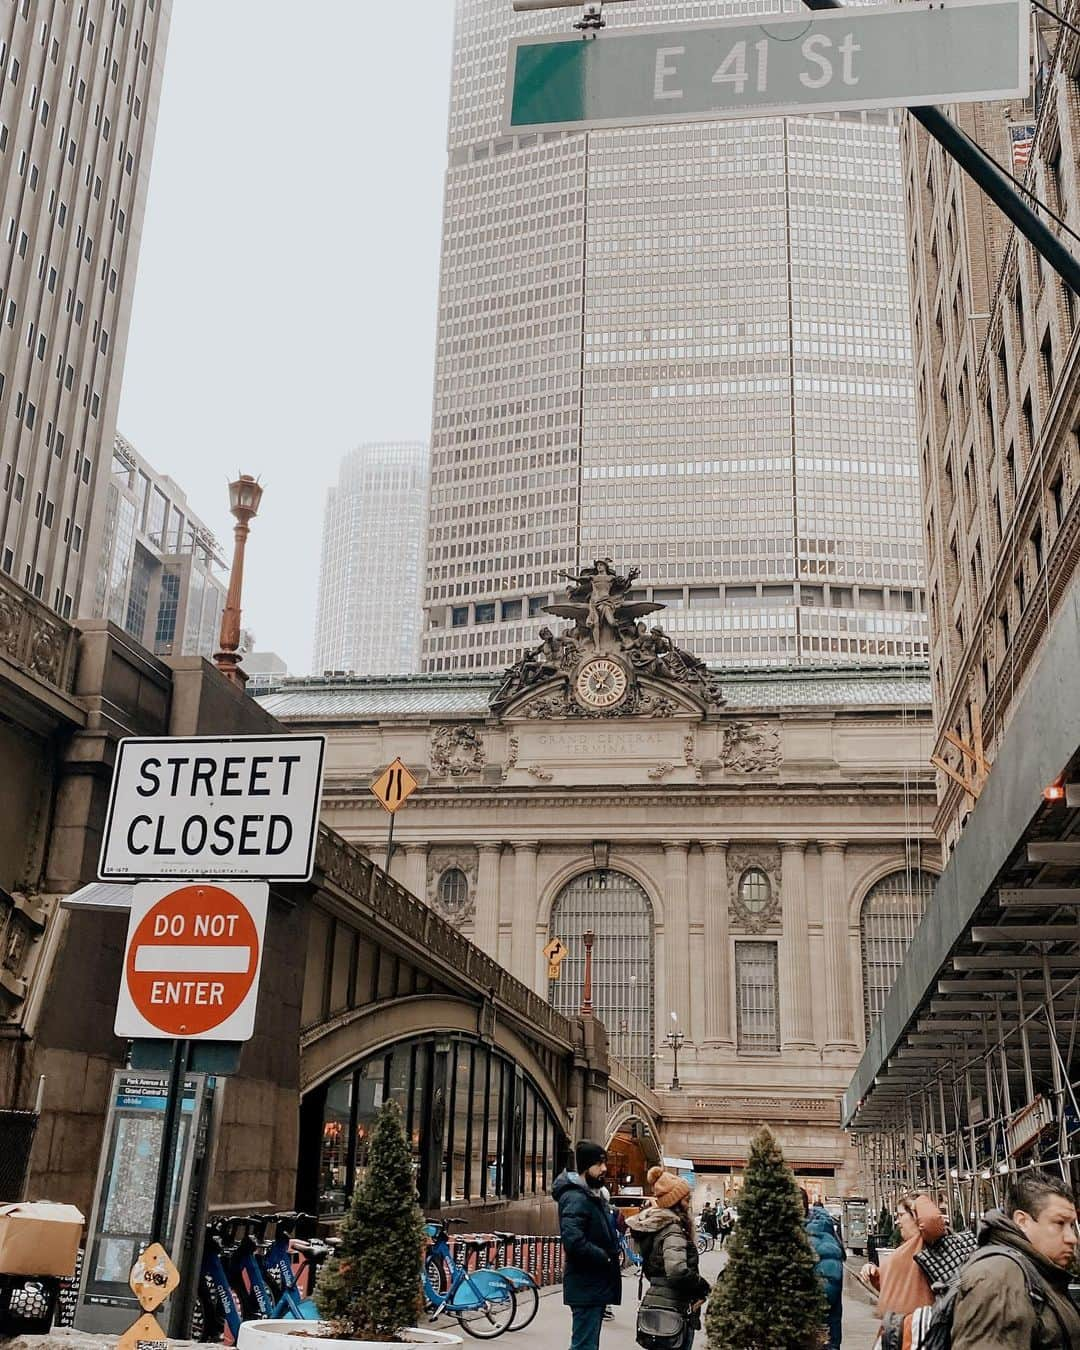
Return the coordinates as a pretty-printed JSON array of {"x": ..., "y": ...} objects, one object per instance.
[
  {"x": 686, "y": 347},
  {"x": 369, "y": 583}
]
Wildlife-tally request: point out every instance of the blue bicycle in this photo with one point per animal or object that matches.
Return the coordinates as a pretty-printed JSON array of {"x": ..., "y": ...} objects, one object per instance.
[
  {"x": 243, "y": 1278},
  {"x": 483, "y": 1301}
]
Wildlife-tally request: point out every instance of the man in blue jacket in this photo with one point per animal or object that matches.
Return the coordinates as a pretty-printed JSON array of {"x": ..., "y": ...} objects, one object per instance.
[
  {"x": 591, "y": 1278},
  {"x": 821, "y": 1231}
]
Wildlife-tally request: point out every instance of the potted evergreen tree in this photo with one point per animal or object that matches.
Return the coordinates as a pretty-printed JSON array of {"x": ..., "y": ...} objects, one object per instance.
[
  {"x": 369, "y": 1294},
  {"x": 768, "y": 1296}
]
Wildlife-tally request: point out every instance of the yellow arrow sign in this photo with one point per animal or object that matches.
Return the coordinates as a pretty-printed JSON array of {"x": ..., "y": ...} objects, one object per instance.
[
  {"x": 556, "y": 951},
  {"x": 153, "y": 1277},
  {"x": 394, "y": 786}
]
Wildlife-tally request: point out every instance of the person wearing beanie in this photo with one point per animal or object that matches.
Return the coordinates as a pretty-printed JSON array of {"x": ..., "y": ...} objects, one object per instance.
[
  {"x": 664, "y": 1234},
  {"x": 591, "y": 1279}
]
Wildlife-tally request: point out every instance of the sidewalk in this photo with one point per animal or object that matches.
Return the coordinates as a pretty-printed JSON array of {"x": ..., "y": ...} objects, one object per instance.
[{"x": 551, "y": 1329}]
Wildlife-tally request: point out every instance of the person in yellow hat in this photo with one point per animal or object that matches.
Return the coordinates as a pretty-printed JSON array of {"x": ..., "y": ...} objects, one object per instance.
[{"x": 664, "y": 1234}]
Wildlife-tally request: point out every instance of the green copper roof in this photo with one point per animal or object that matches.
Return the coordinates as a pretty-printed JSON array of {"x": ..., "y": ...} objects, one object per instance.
[{"x": 336, "y": 697}]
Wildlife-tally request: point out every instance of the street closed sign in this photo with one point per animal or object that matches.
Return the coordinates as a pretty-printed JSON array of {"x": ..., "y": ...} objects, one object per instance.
[
  {"x": 870, "y": 56},
  {"x": 242, "y": 807},
  {"x": 192, "y": 960}
]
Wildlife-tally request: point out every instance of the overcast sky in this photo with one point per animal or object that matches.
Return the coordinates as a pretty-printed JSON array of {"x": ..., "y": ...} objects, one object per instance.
[{"x": 286, "y": 295}]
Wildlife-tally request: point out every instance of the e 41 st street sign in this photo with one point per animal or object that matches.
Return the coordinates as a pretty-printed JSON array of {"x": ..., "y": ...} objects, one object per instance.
[{"x": 872, "y": 57}]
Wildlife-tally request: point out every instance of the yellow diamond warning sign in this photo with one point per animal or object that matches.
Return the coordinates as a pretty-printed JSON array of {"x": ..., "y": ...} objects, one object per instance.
[
  {"x": 394, "y": 786},
  {"x": 153, "y": 1277}
]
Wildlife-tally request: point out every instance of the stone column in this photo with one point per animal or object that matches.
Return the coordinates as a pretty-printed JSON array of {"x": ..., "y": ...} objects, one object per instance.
[
  {"x": 486, "y": 934},
  {"x": 839, "y": 1028},
  {"x": 523, "y": 910},
  {"x": 796, "y": 1014},
  {"x": 416, "y": 870},
  {"x": 716, "y": 975},
  {"x": 677, "y": 940}
]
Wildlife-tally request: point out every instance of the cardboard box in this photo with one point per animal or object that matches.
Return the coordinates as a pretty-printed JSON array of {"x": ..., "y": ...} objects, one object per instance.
[{"x": 39, "y": 1238}]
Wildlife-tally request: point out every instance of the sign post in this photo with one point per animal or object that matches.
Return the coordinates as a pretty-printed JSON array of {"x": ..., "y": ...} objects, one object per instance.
[
  {"x": 243, "y": 809},
  {"x": 907, "y": 55},
  {"x": 393, "y": 787}
]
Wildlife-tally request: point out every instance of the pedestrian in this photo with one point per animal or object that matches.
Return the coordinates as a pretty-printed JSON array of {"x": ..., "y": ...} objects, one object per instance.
[
  {"x": 1018, "y": 1298},
  {"x": 708, "y": 1219},
  {"x": 726, "y": 1224},
  {"x": 829, "y": 1266},
  {"x": 664, "y": 1234},
  {"x": 591, "y": 1278},
  {"x": 901, "y": 1285}
]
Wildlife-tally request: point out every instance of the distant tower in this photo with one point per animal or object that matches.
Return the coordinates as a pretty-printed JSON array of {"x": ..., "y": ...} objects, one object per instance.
[
  {"x": 80, "y": 87},
  {"x": 369, "y": 583},
  {"x": 686, "y": 346}
]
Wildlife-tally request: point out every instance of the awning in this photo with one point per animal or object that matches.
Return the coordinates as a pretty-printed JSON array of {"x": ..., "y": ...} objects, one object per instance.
[{"x": 102, "y": 897}]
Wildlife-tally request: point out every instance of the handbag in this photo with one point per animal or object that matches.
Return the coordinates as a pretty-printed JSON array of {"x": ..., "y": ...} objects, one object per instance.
[{"x": 660, "y": 1328}]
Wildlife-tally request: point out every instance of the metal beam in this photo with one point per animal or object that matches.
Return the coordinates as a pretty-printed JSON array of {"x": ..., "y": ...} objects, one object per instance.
[
  {"x": 1038, "y": 896},
  {"x": 983, "y": 1006},
  {"x": 1059, "y": 851},
  {"x": 1001, "y": 986},
  {"x": 1015, "y": 961},
  {"x": 1072, "y": 794},
  {"x": 1021, "y": 932}
]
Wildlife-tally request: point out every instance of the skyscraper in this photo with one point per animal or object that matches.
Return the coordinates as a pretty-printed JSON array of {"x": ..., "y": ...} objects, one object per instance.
[
  {"x": 78, "y": 103},
  {"x": 686, "y": 347},
  {"x": 369, "y": 583}
]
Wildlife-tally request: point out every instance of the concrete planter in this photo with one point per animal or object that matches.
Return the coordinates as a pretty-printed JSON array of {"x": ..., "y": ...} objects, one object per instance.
[{"x": 286, "y": 1333}]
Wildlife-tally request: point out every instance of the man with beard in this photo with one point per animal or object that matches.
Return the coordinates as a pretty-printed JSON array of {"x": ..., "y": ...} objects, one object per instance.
[{"x": 591, "y": 1278}]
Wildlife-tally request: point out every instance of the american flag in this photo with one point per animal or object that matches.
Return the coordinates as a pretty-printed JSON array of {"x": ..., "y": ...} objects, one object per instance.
[{"x": 1021, "y": 137}]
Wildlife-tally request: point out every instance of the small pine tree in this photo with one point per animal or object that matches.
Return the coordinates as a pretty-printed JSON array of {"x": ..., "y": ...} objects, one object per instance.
[
  {"x": 371, "y": 1289},
  {"x": 768, "y": 1296}
]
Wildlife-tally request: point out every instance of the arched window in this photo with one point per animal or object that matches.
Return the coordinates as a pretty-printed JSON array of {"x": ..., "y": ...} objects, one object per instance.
[
  {"x": 755, "y": 889},
  {"x": 890, "y": 914},
  {"x": 453, "y": 889},
  {"x": 618, "y": 912}
]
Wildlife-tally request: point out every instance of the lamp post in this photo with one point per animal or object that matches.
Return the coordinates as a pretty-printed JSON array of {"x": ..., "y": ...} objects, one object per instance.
[
  {"x": 673, "y": 1040},
  {"x": 245, "y": 495},
  {"x": 588, "y": 938}
]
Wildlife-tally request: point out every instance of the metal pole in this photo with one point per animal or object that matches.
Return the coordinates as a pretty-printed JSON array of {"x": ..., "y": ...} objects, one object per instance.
[
  {"x": 389, "y": 843},
  {"x": 927, "y": 1144},
  {"x": 1029, "y": 1080},
  {"x": 945, "y": 1146},
  {"x": 1055, "y": 1067},
  {"x": 170, "y": 1129},
  {"x": 984, "y": 172}
]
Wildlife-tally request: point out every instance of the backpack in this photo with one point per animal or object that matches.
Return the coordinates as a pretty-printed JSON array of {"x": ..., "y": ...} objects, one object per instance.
[{"x": 931, "y": 1328}]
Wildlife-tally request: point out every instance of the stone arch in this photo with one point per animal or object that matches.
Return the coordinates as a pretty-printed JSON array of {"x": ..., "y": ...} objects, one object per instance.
[
  {"x": 618, "y": 862},
  {"x": 633, "y": 1110},
  {"x": 874, "y": 873},
  {"x": 329, "y": 1048}
]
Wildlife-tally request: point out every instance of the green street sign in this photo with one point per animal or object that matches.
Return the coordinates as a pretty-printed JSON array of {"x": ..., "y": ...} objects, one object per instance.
[{"x": 960, "y": 51}]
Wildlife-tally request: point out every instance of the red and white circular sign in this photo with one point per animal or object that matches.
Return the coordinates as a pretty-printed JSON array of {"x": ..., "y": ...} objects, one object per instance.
[{"x": 192, "y": 961}]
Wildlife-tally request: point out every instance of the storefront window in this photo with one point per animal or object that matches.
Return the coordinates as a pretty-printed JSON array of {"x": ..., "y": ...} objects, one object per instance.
[{"x": 333, "y": 1180}]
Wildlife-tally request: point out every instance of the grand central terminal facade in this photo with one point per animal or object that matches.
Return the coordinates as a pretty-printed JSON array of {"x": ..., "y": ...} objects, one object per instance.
[{"x": 750, "y": 848}]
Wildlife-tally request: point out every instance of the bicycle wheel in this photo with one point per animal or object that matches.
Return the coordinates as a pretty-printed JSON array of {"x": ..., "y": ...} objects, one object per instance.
[
  {"x": 525, "y": 1292},
  {"x": 702, "y": 1243},
  {"x": 484, "y": 1304},
  {"x": 437, "y": 1273}
]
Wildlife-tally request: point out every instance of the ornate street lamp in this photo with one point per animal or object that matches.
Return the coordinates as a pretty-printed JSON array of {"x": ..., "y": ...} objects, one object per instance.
[
  {"x": 588, "y": 938},
  {"x": 673, "y": 1040},
  {"x": 245, "y": 494}
]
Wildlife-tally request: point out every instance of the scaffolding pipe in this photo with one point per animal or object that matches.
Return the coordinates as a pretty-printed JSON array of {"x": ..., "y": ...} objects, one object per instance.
[
  {"x": 1055, "y": 1068},
  {"x": 945, "y": 1146},
  {"x": 927, "y": 1144},
  {"x": 1025, "y": 1045}
]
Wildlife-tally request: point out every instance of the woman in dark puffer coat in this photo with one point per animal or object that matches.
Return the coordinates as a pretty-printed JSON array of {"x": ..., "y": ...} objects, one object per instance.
[{"x": 664, "y": 1234}]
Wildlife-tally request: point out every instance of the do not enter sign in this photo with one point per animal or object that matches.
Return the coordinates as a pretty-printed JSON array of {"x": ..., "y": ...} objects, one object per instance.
[{"x": 191, "y": 966}]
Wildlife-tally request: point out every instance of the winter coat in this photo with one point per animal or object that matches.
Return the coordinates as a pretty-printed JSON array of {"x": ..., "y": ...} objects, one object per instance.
[
  {"x": 993, "y": 1310},
  {"x": 829, "y": 1254},
  {"x": 592, "y": 1275},
  {"x": 669, "y": 1260}
]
